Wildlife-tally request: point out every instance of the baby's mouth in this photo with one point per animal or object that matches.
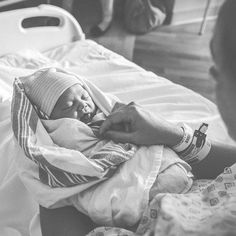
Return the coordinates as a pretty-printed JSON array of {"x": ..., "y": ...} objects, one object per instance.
[{"x": 86, "y": 118}]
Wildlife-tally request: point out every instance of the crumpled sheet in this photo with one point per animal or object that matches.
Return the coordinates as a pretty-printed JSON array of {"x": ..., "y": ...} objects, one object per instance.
[
  {"x": 19, "y": 212},
  {"x": 208, "y": 211}
]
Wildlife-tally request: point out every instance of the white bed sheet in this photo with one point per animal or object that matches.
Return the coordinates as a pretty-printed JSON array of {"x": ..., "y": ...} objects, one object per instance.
[{"x": 111, "y": 73}]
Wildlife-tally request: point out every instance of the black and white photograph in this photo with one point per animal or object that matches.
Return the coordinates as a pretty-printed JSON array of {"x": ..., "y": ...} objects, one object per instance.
[{"x": 118, "y": 118}]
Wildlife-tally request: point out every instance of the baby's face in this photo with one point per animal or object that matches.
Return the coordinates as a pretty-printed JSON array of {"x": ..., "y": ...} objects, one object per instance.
[{"x": 74, "y": 103}]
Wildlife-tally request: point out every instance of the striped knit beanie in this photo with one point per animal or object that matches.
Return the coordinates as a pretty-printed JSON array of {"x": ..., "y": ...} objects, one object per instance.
[{"x": 44, "y": 87}]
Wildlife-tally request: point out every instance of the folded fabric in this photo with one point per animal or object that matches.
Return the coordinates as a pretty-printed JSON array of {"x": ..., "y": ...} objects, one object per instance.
[{"x": 74, "y": 134}]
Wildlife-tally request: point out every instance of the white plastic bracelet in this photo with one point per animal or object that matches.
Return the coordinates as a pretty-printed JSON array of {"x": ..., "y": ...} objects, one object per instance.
[
  {"x": 199, "y": 147},
  {"x": 203, "y": 152},
  {"x": 186, "y": 140}
]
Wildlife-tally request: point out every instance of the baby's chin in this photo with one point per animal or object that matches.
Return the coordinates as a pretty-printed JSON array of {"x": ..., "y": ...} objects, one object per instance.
[{"x": 86, "y": 118}]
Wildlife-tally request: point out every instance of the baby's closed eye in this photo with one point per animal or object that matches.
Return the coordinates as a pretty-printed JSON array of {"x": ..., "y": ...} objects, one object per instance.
[{"x": 85, "y": 96}]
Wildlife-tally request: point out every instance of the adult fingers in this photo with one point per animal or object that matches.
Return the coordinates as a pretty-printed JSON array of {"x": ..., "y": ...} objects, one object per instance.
[
  {"x": 125, "y": 114},
  {"x": 119, "y": 137},
  {"x": 113, "y": 119}
]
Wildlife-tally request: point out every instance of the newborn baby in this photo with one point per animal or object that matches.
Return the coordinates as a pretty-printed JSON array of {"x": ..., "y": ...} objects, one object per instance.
[
  {"x": 68, "y": 106},
  {"x": 73, "y": 117}
]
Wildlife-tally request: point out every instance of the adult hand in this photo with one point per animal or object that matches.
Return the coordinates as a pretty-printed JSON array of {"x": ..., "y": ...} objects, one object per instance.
[{"x": 139, "y": 127}]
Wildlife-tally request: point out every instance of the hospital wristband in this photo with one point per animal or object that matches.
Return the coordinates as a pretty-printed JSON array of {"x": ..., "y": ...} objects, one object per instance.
[
  {"x": 186, "y": 140},
  {"x": 202, "y": 153},
  {"x": 199, "y": 148},
  {"x": 198, "y": 155}
]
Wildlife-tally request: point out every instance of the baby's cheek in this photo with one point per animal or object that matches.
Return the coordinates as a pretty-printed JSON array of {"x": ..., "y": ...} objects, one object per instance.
[
  {"x": 77, "y": 115},
  {"x": 72, "y": 114}
]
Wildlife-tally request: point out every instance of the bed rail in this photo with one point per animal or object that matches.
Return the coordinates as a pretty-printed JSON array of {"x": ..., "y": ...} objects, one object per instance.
[{"x": 15, "y": 36}]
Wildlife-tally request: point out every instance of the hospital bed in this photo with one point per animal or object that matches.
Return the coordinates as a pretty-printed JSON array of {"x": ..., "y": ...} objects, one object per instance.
[{"x": 24, "y": 50}]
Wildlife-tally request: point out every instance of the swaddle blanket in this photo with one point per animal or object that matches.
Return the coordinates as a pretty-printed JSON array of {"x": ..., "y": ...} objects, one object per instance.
[
  {"x": 57, "y": 175},
  {"x": 74, "y": 134},
  {"x": 58, "y": 167}
]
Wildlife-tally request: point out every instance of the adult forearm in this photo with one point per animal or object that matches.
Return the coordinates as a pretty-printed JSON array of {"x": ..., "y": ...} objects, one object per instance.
[
  {"x": 140, "y": 127},
  {"x": 219, "y": 157}
]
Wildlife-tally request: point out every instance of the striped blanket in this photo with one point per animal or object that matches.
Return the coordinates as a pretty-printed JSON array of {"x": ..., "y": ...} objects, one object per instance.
[{"x": 25, "y": 119}]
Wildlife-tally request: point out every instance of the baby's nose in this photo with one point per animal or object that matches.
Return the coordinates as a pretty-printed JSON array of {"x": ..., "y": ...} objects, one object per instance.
[{"x": 83, "y": 107}]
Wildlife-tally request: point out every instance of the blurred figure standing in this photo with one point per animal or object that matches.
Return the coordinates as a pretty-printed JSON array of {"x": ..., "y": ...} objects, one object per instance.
[{"x": 107, "y": 17}]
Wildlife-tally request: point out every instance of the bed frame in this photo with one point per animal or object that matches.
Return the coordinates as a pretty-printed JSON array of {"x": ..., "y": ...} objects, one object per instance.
[{"x": 17, "y": 37}]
